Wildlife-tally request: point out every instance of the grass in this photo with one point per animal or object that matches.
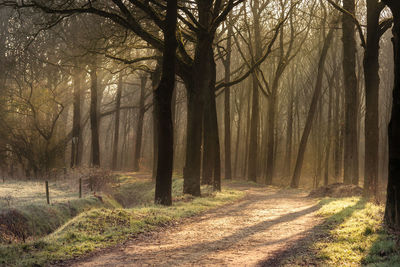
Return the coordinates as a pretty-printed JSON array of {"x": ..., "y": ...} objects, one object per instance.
[
  {"x": 131, "y": 191},
  {"x": 15, "y": 193},
  {"x": 27, "y": 216},
  {"x": 353, "y": 235},
  {"x": 103, "y": 227}
]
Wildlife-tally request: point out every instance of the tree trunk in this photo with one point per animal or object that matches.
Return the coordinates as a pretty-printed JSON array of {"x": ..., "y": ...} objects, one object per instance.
[
  {"x": 202, "y": 79},
  {"x": 227, "y": 111},
  {"x": 351, "y": 99},
  {"x": 191, "y": 170},
  {"x": 248, "y": 130},
  {"x": 239, "y": 115},
  {"x": 289, "y": 132},
  {"x": 255, "y": 113},
  {"x": 312, "y": 110},
  {"x": 271, "y": 131},
  {"x": 329, "y": 134},
  {"x": 338, "y": 159},
  {"x": 155, "y": 80},
  {"x": 94, "y": 118},
  {"x": 371, "y": 75},
  {"x": 139, "y": 132},
  {"x": 163, "y": 97},
  {"x": 392, "y": 211},
  {"x": 76, "y": 156},
  {"x": 116, "y": 123},
  {"x": 211, "y": 153}
]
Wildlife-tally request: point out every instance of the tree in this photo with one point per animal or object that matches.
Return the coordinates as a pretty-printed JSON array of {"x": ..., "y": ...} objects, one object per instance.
[
  {"x": 392, "y": 211},
  {"x": 94, "y": 116},
  {"x": 375, "y": 30},
  {"x": 139, "y": 128},
  {"x": 351, "y": 97},
  {"x": 227, "y": 102},
  {"x": 311, "y": 113},
  {"x": 116, "y": 123},
  {"x": 163, "y": 98},
  {"x": 76, "y": 153},
  {"x": 201, "y": 20}
]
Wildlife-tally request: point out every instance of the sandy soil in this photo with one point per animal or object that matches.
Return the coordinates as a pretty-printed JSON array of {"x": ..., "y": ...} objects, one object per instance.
[{"x": 252, "y": 232}]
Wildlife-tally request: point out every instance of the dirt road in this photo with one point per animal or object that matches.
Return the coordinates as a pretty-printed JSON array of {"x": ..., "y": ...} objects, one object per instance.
[{"x": 248, "y": 233}]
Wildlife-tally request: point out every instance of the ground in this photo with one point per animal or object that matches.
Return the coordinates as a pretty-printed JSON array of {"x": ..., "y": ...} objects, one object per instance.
[
  {"x": 244, "y": 225},
  {"x": 248, "y": 233}
]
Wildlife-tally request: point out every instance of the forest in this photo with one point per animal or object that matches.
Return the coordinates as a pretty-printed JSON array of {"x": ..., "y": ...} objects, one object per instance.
[{"x": 200, "y": 133}]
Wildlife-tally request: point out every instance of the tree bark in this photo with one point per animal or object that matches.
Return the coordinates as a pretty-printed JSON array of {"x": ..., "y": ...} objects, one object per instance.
[
  {"x": 351, "y": 99},
  {"x": 201, "y": 80},
  {"x": 371, "y": 76},
  {"x": 211, "y": 153},
  {"x": 392, "y": 211},
  {"x": 163, "y": 97}
]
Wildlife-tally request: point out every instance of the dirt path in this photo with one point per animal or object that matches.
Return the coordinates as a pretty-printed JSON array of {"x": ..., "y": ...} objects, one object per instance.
[{"x": 248, "y": 233}]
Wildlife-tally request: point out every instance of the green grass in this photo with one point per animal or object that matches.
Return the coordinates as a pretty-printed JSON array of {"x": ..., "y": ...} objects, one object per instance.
[
  {"x": 353, "y": 235},
  {"x": 99, "y": 228},
  {"x": 30, "y": 220}
]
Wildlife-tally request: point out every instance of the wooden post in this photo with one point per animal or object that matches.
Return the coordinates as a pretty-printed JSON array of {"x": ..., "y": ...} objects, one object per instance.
[
  {"x": 80, "y": 187},
  {"x": 47, "y": 192}
]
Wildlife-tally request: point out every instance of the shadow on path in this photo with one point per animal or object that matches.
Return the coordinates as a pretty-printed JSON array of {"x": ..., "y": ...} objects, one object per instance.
[{"x": 301, "y": 253}]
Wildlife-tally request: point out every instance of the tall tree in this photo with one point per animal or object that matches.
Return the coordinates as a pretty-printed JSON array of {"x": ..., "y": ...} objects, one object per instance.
[
  {"x": 351, "y": 96},
  {"x": 76, "y": 154},
  {"x": 375, "y": 30},
  {"x": 392, "y": 211},
  {"x": 312, "y": 110},
  {"x": 94, "y": 116},
  {"x": 163, "y": 98},
  {"x": 116, "y": 123},
  {"x": 139, "y": 127},
  {"x": 255, "y": 112},
  {"x": 227, "y": 102}
]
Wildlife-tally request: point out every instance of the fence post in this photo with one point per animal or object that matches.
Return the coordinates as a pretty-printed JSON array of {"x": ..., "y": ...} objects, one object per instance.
[
  {"x": 80, "y": 187},
  {"x": 47, "y": 192}
]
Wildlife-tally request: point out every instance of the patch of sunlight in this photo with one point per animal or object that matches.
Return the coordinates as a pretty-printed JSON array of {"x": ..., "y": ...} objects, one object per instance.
[{"x": 355, "y": 227}]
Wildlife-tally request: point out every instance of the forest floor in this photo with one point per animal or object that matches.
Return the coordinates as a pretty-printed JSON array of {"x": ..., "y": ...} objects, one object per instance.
[
  {"x": 246, "y": 224},
  {"x": 254, "y": 231}
]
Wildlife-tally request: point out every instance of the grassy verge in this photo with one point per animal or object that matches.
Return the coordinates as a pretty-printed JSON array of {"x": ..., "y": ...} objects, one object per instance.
[
  {"x": 99, "y": 228},
  {"x": 352, "y": 235},
  {"x": 30, "y": 217},
  {"x": 34, "y": 220}
]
